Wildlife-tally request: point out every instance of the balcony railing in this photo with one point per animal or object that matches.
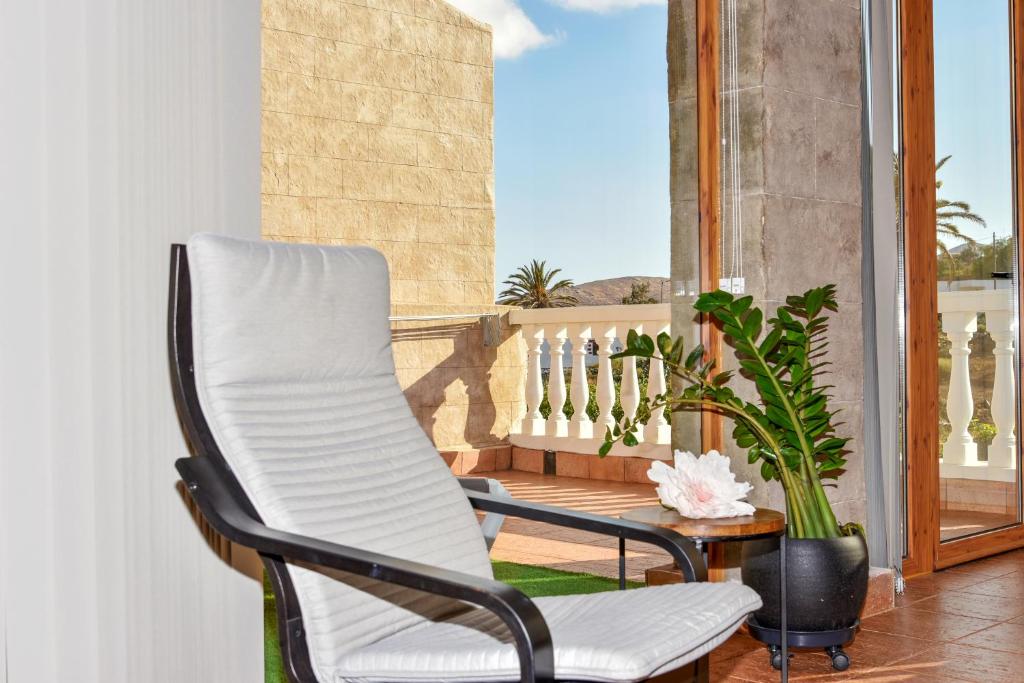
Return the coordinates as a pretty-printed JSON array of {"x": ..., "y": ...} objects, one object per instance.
[
  {"x": 560, "y": 337},
  {"x": 960, "y": 311},
  {"x": 568, "y": 333}
]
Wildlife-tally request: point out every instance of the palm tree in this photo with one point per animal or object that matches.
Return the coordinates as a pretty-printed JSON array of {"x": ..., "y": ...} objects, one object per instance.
[
  {"x": 946, "y": 212},
  {"x": 531, "y": 287}
]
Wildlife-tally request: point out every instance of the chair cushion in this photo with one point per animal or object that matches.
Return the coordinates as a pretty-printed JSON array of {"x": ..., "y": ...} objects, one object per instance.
[
  {"x": 615, "y": 636},
  {"x": 295, "y": 377},
  {"x": 266, "y": 312}
]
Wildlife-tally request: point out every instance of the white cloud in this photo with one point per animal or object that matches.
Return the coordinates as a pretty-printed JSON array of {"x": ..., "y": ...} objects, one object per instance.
[
  {"x": 514, "y": 31},
  {"x": 604, "y": 6}
]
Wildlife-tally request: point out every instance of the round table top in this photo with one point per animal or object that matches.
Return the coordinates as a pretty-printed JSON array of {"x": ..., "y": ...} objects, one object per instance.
[{"x": 763, "y": 522}]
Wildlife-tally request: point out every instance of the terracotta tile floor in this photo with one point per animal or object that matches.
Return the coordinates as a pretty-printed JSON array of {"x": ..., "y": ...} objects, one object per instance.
[
  {"x": 962, "y": 624},
  {"x": 576, "y": 551}
]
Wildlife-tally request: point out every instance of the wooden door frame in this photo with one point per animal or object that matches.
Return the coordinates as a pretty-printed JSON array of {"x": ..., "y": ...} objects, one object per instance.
[
  {"x": 925, "y": 552},
  {"x": 709, "y": 190},
  {"x": 709, "y": 228},
  {"x": 917, "y": 150}
]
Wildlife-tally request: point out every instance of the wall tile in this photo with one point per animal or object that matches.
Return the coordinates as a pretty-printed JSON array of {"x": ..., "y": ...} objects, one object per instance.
[
  {"x": 609, "y": 468},
  {"x": 527, "y": 460},
  {"x": 788, "y": 146},
  {"x": 837, "y": 151},
  {"x": 572, "y": 465},
  {"x": 366, "y": 104},
  {"x": 813, "y": 47}
]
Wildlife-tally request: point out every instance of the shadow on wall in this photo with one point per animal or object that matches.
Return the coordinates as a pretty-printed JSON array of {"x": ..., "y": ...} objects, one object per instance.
[{"x": 452, "y": 393}]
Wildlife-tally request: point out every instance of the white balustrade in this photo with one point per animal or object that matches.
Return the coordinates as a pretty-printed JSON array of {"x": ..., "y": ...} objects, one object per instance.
[
  {"x": 959, "y": 458},
  {"x": 605, "y": 382},
  {"x": 1002, "y": 452},
  {"x": 568, "y": 332},
  {"x": 629, "y": 390},
  {"x": 557, "y": 425},
  {"x": 534, "y": 423},
  {"x": 581, "y": 426},
  {"x": 960, "y": 448},
  {"x": 658, "y": 430},
  {"x": 577, "y": 327}
]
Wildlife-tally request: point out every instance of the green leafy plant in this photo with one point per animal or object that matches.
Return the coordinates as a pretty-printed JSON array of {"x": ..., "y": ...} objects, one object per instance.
[
  {"x": 982, "y": 432},
  {"x": 791, "y": 429},
  {"x": 639, "y": 293}
]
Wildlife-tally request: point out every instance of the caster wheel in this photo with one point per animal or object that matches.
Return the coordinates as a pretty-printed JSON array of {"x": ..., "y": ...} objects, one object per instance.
[
  {"x": 775, "y": 657},
  {"x": 840, "y": 660}
]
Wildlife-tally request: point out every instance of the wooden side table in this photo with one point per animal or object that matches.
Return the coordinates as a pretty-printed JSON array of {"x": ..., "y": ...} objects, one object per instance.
[
  {"x": 707, "y": 533},
  {"x": 764, "y": 523}
]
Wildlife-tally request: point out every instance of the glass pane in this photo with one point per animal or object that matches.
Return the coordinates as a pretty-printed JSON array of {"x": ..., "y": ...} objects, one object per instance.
[
  {"x": 897, "y": 145},
  {"x": 977, "y": 268},
  {"x": 682, "y": 89}
]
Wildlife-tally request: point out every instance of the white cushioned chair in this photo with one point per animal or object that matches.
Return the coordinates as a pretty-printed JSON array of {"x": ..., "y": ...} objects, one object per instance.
[{"x": 307, "y": 451}]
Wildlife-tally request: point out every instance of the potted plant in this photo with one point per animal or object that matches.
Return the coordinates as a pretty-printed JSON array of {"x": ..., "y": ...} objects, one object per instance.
[{"x": 790, "y": 430}]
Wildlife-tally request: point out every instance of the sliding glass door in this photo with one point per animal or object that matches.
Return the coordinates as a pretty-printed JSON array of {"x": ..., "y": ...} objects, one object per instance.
[{"x": 960, "y": 127}]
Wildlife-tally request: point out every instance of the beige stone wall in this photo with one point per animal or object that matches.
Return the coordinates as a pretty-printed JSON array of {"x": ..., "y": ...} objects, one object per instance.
[{"x": 378, "y": 130}]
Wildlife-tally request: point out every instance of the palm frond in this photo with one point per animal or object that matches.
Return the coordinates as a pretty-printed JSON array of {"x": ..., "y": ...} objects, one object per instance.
[{"x": 531, "y": 287}]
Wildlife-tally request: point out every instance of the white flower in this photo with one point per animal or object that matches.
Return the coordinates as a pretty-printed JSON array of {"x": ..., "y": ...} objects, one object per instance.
[{"x": 701, "y": 487}]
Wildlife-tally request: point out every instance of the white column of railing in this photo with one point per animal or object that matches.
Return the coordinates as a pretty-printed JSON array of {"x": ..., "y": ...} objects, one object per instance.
[
  {"x": 579, "y": 326},
  {"x": 1002, "y": 452},
  {"x": 960, "y": 311},
  {"x": 581, "y": 426},
  {"x": 658, "y": 429},
  {"x": 558, "y": 425},
  {"x": 960, "y": 448},
  {"x": 605, "y": 382},
  {"x": 533, "y": 423},
  {"x": 629, "y": 390}
]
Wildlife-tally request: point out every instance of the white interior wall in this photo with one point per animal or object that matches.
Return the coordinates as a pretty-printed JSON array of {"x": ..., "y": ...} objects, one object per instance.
[{"x": 126, "y": 126}]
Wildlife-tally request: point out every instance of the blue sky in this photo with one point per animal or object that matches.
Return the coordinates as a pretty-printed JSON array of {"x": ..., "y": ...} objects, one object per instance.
[
  {"x": 972, "y": 101},
  {"x": 581, "y": 135},
  {"x": 581, "y": 146},
  {"x": 581, "y": 129}
]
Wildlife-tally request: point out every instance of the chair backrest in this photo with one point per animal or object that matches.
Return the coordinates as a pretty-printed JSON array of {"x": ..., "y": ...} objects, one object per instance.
[{"x": 295, "y": 378}]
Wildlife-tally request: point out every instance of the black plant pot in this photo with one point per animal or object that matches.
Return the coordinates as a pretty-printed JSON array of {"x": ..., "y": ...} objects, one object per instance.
[{"x": 827, "y": 581}]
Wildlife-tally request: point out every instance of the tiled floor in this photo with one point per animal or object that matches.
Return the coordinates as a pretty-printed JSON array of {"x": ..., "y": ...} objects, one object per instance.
[{"x": 963, "y": 624}]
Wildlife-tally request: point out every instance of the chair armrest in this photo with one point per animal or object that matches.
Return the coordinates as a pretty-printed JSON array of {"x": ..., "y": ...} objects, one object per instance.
[
  {"x": 225, "y": 513},
  {"x": 478, "y": 484},
  {"x": 683, "y": 550}
]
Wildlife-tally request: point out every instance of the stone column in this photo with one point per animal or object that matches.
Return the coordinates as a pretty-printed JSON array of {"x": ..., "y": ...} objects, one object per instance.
[{"x": 799, "y": 111}]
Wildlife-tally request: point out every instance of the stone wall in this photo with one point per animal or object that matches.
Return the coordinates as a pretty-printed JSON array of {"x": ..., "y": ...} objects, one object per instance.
[
  {"x": 800, "y": 123},
  {"x": 377, "y": 130}
]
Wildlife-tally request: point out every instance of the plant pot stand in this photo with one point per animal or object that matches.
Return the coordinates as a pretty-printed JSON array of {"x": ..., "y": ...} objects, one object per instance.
[{"x": 831, "y": 641}]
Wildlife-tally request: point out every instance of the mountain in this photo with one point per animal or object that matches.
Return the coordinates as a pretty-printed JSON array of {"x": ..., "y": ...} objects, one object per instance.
[{"x": 613, "y": 290}]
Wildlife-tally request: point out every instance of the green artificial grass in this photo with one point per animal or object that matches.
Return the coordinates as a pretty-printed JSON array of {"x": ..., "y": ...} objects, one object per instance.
[
  {"x": 533, "y": 581},
  {"x": 273, "y": 666},
  {"x": 537, "y": 582}
]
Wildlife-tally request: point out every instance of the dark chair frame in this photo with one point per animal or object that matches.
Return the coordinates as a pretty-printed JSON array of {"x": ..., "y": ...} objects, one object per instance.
[{"x": 224, "y": 504}]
